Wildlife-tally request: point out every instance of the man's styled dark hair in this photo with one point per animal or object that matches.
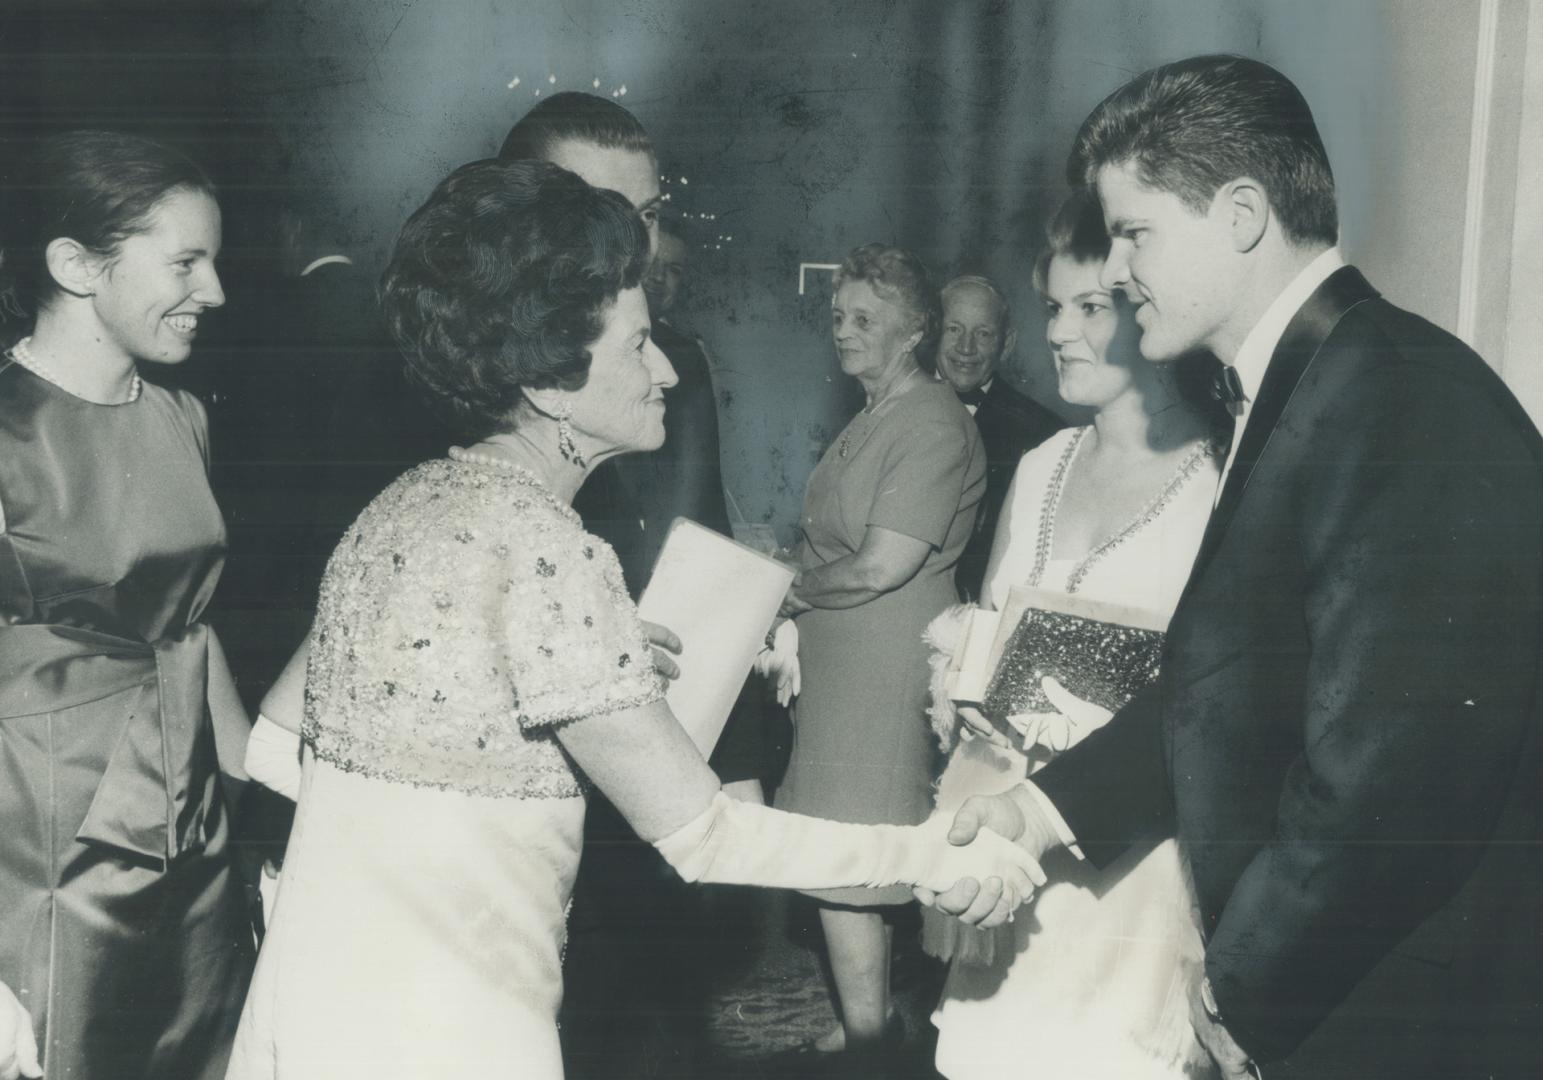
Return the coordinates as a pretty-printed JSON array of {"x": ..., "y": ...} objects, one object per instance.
[
  {"x": 500, "y": 280},
  {"x": 1189, "y": 127},
  {"x": 572, "y": 116}
]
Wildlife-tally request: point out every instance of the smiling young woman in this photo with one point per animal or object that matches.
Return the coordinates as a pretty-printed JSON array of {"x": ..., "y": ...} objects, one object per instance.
[
  {"x": 122, "y": 928},
  {"x": 1111, "y": 512}
]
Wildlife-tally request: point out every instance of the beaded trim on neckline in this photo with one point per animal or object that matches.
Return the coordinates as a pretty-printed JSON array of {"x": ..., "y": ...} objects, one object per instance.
[{"x": 1050, "y": 510}]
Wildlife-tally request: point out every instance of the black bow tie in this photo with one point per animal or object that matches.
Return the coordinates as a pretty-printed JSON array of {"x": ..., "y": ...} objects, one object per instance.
[
  {"x": 971, "y": 397},
  {"x": 1227, "y": 388}
]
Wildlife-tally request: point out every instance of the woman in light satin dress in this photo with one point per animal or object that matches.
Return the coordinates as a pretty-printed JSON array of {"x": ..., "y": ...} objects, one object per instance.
[{"x": 1094, "y": 980}]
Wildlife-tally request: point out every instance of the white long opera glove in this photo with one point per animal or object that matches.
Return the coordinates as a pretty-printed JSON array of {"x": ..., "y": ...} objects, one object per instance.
[
  {"x": 18, "y": 1047},
  {"x": 273, "y": 757},
  {"x": 1073, "y": 720},
  {"x": 779, "y": 662},
  {"x": 735, "y": 843}
]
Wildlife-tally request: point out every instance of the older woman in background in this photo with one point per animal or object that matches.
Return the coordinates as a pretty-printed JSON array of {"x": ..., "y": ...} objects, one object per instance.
[
  {"x": 122, "y": 930},
  {"x": 888, "y": 510}
]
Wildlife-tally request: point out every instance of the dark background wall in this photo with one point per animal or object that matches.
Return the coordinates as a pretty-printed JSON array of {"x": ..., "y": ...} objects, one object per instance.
[{"x": 803, "y": 129}]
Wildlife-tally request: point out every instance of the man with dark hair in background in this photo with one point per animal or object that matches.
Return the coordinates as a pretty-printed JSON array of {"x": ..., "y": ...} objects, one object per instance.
[
  {"x": 636, "y": 948},
  {"x": 977, "y": 333},
  {"x": 1344, "y": 733}
]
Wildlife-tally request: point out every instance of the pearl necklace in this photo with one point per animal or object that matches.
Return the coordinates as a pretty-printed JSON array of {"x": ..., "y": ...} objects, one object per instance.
[
  {"x": 513, "y": 469},
  {"x": 22, "y": 353},
  {"x": 871, "y": 410}
]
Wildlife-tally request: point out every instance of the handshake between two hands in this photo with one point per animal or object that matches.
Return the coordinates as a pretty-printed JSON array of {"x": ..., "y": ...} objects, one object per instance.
[
  {"x": 989, "y": 900},
  {"x": 1014, "y": 814}
]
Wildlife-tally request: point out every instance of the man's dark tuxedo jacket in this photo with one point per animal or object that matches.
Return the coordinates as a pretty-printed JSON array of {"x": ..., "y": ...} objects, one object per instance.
[
  {"x": 1011, "y": 425},
  {"x": 1343, "y": 734}
]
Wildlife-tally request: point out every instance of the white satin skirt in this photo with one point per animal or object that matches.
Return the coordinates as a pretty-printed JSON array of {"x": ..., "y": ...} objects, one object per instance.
[
  {"x": 1090, "y": 982},
  {"x": 415, "y": 933}
]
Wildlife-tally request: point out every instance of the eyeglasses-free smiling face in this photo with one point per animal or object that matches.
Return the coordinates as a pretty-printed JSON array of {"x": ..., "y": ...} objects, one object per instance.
[
  {"x": 1091, "y": 334},
  {"x": 621, "y": 404},
  {"x": 975, "y": 336},
  {"x": 148, "y": 298},
  {"x": 1178, "y": 266}
]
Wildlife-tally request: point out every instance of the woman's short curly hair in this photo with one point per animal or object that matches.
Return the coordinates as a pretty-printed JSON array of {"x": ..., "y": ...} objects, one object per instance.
[
  {"x": 900, "y": 277},
  {"x": 500, "y": 281}
]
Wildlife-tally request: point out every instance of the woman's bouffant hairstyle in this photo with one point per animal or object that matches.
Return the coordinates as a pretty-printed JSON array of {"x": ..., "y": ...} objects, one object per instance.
[
  {"x": 500, "y": 281},
  {"x": 572, "y": 116},
  {"x": 1189, "y": 127},
  {"x": 1076, "y": 230},
  {"x": 97, "y": 188},
  {"x": 901, "y": 278}
]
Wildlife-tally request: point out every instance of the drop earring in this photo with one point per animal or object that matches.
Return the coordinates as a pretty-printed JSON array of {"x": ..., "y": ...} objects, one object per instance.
[{"x": 565, "y": 444}]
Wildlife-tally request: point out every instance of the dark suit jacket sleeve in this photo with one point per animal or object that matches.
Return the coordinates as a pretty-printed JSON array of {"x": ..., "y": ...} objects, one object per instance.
[
  {"x": 1112, "y": 788},
  {"x": 1420, "y": 526},
  {"x": 694, "y": 447},
  {"x": 693, "y": 488}
]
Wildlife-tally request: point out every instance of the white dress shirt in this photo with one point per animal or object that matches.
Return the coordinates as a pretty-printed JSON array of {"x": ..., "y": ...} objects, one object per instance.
[
  {"x": 1251, "y": 362},
  {"x": 1257, "y": 348}
]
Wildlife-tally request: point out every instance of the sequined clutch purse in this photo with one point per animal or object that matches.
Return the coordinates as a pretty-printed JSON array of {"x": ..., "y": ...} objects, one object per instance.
[{"x": 1101, "y": 654}]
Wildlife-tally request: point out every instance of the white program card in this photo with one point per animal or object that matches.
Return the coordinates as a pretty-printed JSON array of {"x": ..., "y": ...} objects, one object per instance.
[{"x": 719, "y": 597}]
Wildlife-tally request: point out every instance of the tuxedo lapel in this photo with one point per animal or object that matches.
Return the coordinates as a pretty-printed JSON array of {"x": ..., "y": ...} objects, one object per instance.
[{"x": 1299, "y": 345}]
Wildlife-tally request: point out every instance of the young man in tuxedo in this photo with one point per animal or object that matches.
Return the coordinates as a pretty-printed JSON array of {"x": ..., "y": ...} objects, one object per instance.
[
  {"x": 1343, "y": 733},
  {"x": 977, "y": 333}
]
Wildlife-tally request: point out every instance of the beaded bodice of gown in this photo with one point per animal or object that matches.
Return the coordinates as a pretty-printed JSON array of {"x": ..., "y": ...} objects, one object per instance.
[
  {"x": 1143, "y": 564},
  {"x": 463, "y": 616}
]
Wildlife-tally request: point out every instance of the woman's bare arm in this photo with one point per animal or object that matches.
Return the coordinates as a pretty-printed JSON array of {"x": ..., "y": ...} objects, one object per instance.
[
  {"x": 883, "y": 562},
  {"x": 645, "y": 763},
  {"x": 284, "y": 703},
  {"x": 999, "y": 541},
  {"x": 227, "y": 714}
]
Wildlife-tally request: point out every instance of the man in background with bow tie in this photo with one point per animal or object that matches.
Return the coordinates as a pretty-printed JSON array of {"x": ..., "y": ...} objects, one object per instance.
[
  {"x": 1344, "y": 733},
  {"x": 977, "y": 333}
]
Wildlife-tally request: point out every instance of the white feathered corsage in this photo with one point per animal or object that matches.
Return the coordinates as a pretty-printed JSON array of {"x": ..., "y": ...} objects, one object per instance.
[{"x": 942, "y": 637}]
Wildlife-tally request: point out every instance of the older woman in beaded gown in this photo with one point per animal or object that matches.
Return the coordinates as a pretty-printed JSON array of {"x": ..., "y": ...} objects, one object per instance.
[{"x": 475, "y": 658}]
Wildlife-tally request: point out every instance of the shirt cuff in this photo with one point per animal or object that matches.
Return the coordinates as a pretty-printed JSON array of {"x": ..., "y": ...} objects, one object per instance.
[{"x": 1062, "y": 830}]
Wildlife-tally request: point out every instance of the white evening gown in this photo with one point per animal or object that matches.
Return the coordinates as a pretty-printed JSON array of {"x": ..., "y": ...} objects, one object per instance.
[
  {"x": 1092, "y": 980},
  {"x": 419, "y": 922}
]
